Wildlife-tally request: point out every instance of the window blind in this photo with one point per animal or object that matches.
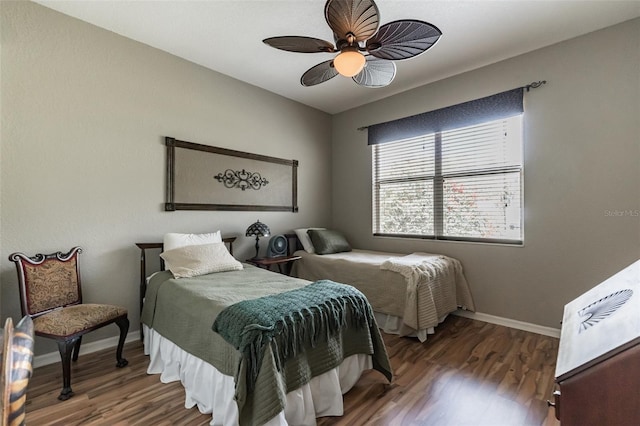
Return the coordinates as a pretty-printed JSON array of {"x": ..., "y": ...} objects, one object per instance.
[
  {"x": 404, "y": 175},
  {"x": 461, "y": 184}
]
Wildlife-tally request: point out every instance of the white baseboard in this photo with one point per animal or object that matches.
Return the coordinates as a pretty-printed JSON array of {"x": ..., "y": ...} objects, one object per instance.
[
  {"x": 518, "y": 325},
  {"x": 86, "y": 348}
]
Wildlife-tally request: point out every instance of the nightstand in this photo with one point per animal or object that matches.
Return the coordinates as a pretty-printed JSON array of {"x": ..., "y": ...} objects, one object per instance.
[{"x": 284, "y": 263}]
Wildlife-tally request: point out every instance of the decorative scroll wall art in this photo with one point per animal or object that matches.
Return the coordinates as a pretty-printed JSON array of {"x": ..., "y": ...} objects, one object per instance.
[{"x": 202, "y": 177}]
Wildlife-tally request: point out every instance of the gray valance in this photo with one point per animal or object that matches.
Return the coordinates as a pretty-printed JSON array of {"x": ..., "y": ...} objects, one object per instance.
[{"x": 494, "y": 107}]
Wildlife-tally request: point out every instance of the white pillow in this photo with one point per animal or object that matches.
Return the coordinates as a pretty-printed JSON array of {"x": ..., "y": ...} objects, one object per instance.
[
  {"x": 194, "y": 260},
  {"x": 305, "y": 240},
  {"x": 174, "y": 240}
]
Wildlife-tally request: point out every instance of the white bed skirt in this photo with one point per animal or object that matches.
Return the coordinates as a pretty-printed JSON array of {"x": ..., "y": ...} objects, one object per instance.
[
  {"x": 391, "y": 324},
  {"x": 212, "y": 392}
]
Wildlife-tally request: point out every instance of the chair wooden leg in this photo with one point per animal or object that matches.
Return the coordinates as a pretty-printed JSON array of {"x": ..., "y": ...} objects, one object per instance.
[
  {"x": 76, "y": 349},
  {"x": 66, "y": 348},
  {"x": 123, "y": 323}
]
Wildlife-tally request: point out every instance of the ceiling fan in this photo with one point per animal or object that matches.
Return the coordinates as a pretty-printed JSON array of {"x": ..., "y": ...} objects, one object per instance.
[{"x": 367, "y": 51}]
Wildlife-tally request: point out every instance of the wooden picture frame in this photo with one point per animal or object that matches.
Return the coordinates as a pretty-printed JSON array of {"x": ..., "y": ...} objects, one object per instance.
[{"x": 203, "y": 177}]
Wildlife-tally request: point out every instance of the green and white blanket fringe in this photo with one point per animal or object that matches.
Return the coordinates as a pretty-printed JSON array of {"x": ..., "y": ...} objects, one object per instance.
[{"x": 291, "y": 321}]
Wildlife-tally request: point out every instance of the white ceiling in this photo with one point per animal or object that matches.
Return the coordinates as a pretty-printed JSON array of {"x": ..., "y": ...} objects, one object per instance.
[{"x": 226, "y": 36}]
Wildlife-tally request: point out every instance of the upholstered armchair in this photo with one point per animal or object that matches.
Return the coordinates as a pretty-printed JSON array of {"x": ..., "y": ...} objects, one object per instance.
[{"x": 51, "y": 294}]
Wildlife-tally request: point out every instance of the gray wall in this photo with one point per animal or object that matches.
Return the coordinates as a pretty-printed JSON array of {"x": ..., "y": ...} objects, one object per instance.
[
  {"x": 582, "y": 163},
  {"x": 84, "y": 115}
]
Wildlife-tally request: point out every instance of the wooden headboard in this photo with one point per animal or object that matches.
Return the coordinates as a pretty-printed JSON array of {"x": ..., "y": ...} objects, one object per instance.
[
  {"x": 294, "y": 243},
  {"x": 143, "y": 265}
]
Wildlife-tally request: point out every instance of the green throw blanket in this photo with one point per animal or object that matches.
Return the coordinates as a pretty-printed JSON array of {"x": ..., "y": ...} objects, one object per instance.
[{"x": 290, "y": 321}]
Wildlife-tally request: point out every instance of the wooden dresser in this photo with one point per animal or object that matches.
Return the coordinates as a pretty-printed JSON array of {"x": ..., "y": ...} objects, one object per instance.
[{"x": 598, "y": 367}]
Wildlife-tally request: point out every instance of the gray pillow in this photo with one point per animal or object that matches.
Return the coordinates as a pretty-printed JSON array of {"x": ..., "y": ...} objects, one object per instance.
[{"x": 327, "y": 241}]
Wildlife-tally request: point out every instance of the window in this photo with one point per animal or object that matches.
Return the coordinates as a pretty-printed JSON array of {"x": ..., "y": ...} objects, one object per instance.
[{"x": 462, "y": 183}]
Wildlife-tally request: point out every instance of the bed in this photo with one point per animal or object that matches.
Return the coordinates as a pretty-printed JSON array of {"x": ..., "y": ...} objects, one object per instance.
[
  {"x": 295, "y": 380},
  {"x": 410, "y": 294}
]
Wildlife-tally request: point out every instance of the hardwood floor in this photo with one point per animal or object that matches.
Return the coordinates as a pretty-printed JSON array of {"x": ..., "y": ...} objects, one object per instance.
[{"x": 468, "y": 373}]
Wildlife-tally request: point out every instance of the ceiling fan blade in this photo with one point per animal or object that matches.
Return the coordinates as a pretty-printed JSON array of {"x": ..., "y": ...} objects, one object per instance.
[
  {"x": 319, "y": 74},
  {"x": 376, "y": 73},
  {"x": 358, "y": 17},
  {"x": 300, "y": 44},
  {"x": 403, "y": 39}
]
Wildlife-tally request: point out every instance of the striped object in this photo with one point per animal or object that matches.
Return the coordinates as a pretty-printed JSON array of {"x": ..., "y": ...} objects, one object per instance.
[{"x": 17, "y": 358}]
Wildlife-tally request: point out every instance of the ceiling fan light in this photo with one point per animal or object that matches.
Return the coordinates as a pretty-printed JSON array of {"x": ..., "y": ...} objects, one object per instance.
[{"x": 349, "y": 62}]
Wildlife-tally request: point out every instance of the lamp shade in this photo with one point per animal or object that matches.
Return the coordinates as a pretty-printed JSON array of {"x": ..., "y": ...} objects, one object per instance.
[
  {"x": 349, "y": 62},
  {"x": 258, "y": 229}
]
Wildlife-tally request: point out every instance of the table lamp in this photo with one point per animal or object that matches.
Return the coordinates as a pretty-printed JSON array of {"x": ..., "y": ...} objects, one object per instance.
[{"x": 257, "y": 229}]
